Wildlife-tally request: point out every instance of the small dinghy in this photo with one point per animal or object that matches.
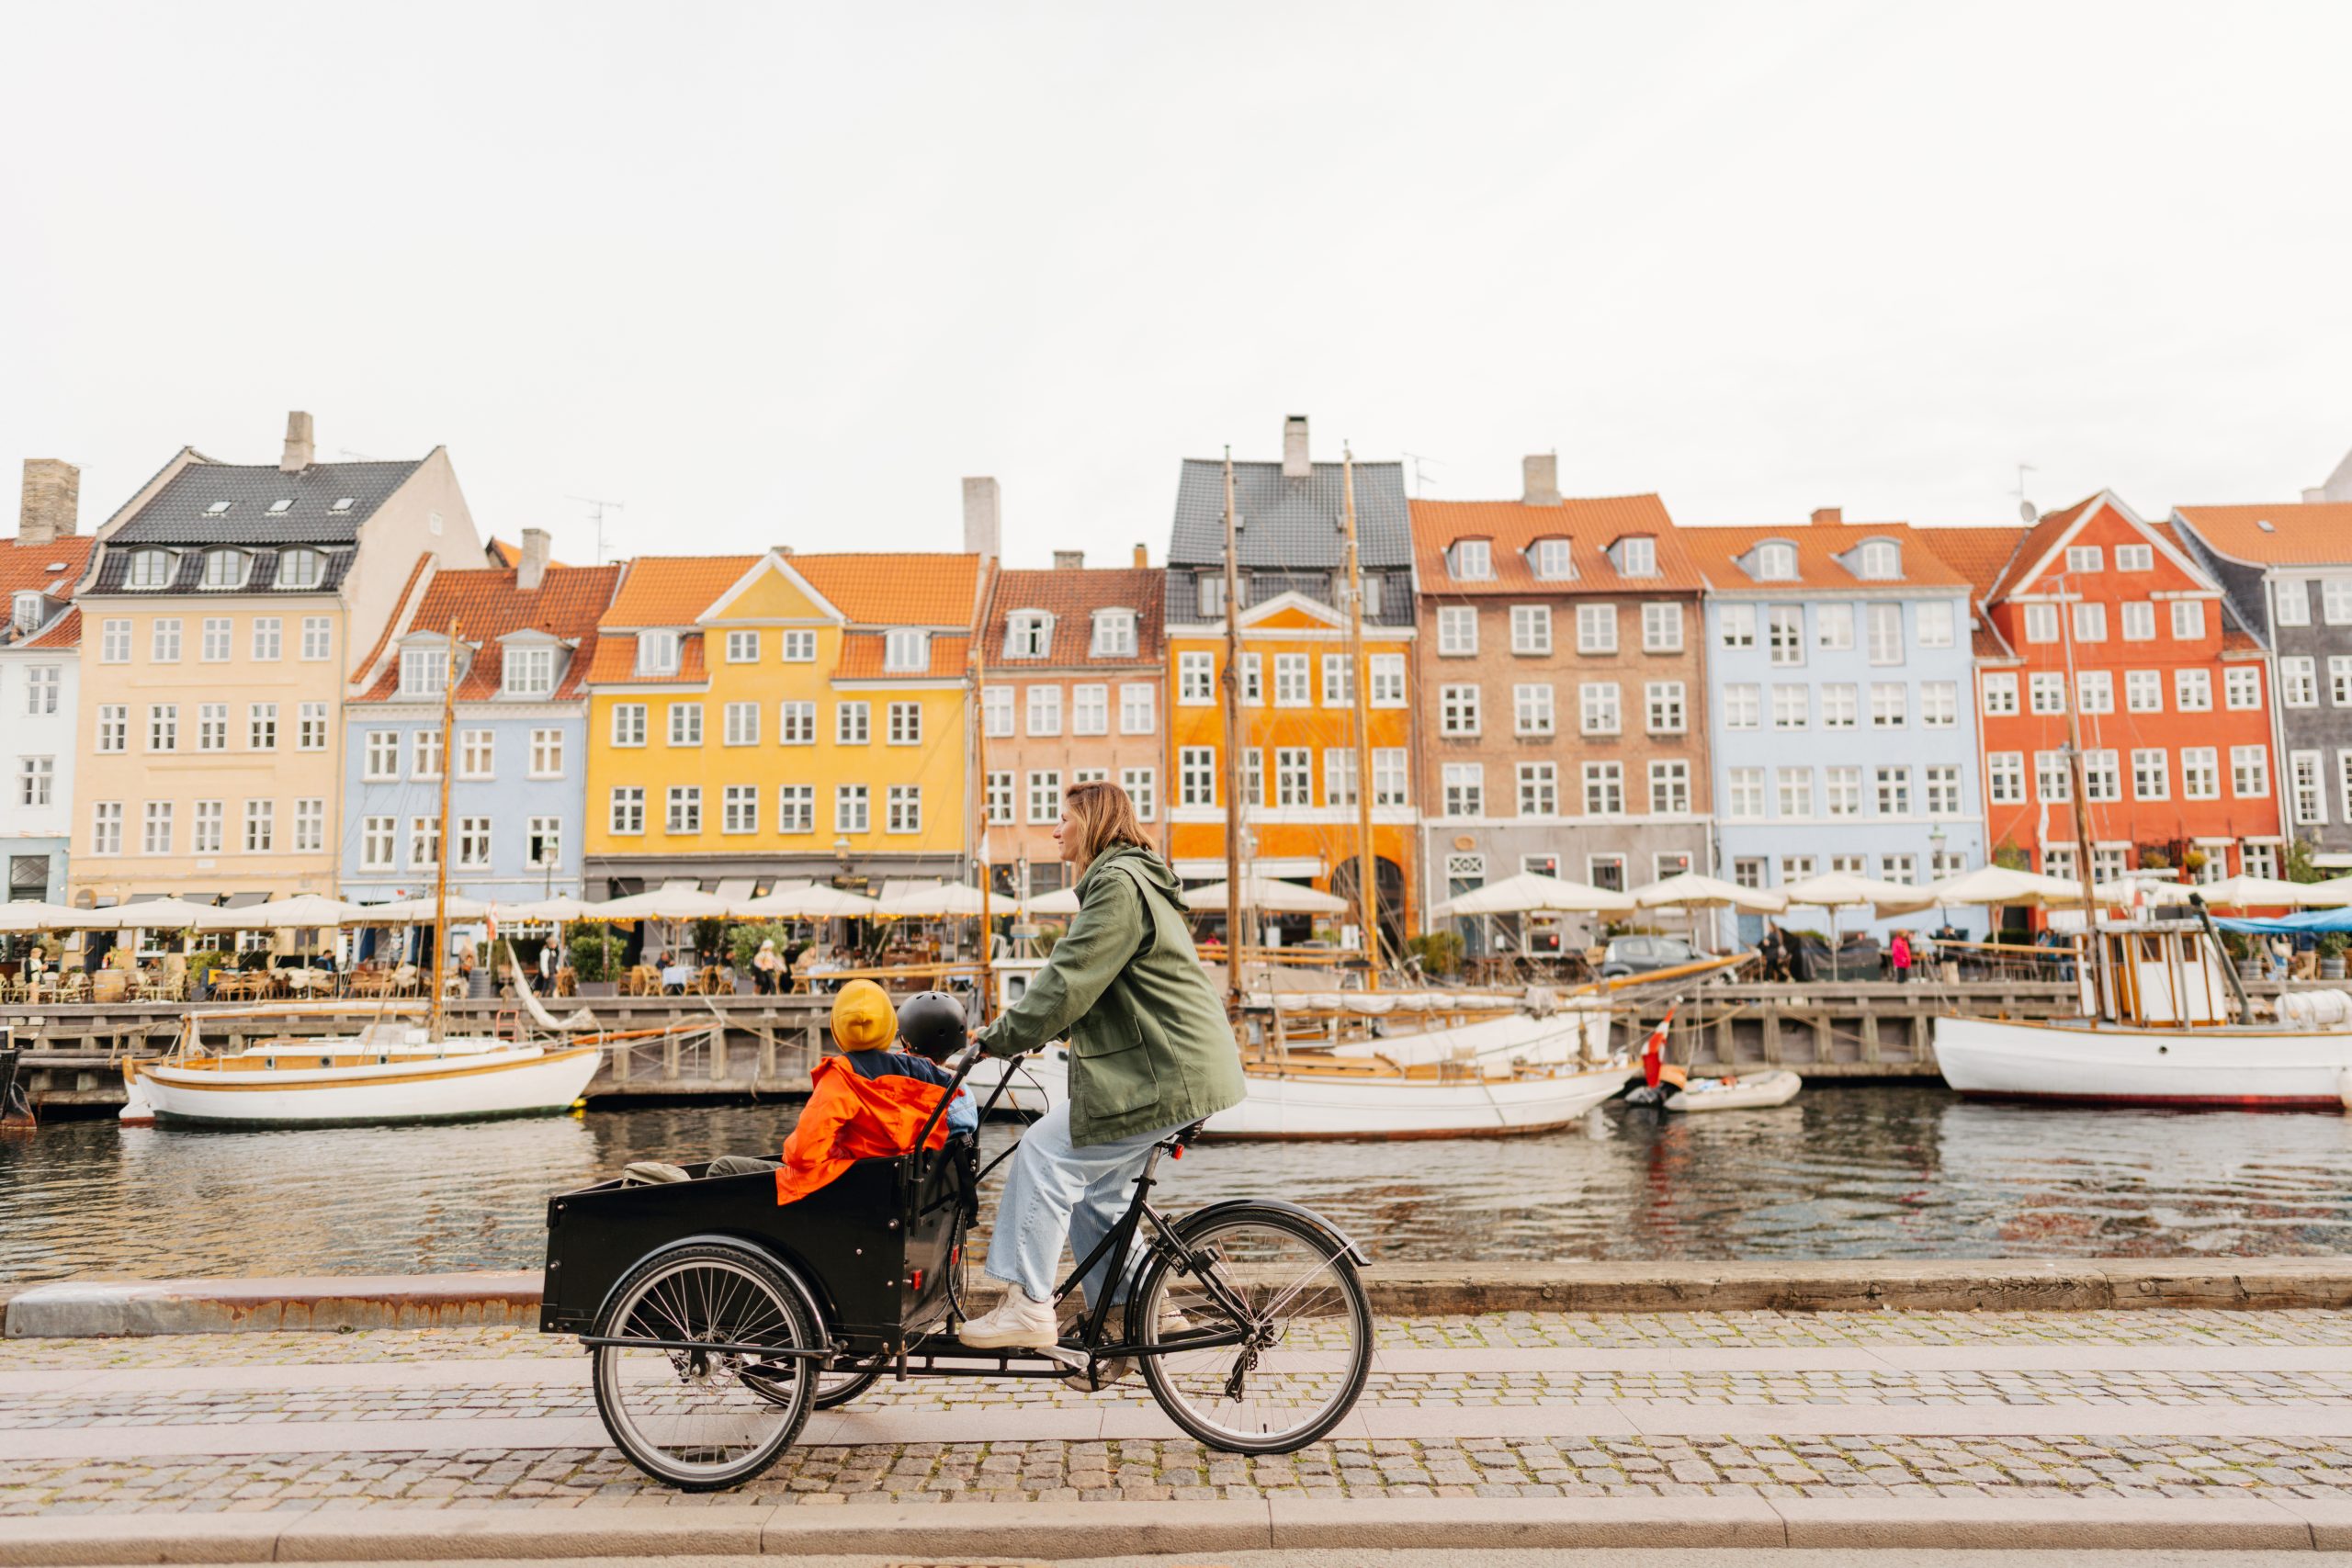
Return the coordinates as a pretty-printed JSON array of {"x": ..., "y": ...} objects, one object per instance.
[{"x": 1754, "y": 1091}]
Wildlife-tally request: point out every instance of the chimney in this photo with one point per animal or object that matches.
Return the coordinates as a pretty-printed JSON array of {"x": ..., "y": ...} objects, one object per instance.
[
  {"x": 983, "y": 525},
  {"x": 1143, "y": 557},
  {"x": 1540, "y": 479},
  {"x": 1295, "y": 461},
  {"x": 52, "y": 501},
  {"x": 531, "y": 569},
  {"x": 298, "y": 444},
  {"x": 1069, "y": 560},
  {"x": 1828, "y": 516}
]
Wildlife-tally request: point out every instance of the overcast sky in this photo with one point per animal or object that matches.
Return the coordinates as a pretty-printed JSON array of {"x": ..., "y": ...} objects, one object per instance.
[{"x": 783, "y": 273}]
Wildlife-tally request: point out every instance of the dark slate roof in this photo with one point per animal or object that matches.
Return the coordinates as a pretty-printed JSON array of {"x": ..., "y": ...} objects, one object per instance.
[
  {"x": 114, "y": 570},
  {"x": 1289, "y": 523},
  {"x": 176, "y": 515}
]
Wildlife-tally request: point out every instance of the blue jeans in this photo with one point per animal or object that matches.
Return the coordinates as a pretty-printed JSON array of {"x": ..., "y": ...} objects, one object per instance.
[{"x": 1056, "y": 1190}]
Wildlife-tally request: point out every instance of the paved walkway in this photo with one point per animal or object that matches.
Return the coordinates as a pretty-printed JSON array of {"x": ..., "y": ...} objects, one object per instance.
[{"x": 2104, "y": 1406}]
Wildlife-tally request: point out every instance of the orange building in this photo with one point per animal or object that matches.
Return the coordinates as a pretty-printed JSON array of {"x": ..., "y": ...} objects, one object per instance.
[{"x": 1299, "y": 812}]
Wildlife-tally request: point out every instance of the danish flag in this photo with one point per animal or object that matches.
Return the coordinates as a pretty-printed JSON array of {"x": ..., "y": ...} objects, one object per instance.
[{"x": 1654, "y": 1049}]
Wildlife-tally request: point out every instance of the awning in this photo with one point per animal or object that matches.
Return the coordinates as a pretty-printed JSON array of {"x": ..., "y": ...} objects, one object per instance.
[
  {"x": 1275, "y": 866},
  {"x": 244, "y": 900},
  {"x": 735, "y": 889}
]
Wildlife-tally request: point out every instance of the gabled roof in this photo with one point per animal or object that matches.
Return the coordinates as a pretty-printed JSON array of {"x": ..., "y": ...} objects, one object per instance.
[
  {"x": 2046, "y": 537},
  {"x": 178, "y": 514},
  {"x": 1591, "y": 526},
  {"x": 670, "y": 590},
  {"x": 1977, "y": 554},
  {"x": 919, "y": 587},
  {"x": 53, "y": 569},
  {"x": 2290, "y": 533},
  {"x": 488, "y": 607},
  {"x": 1289, "y": 521},
  {"x": 2039, "y": 541},
  {"x": 1716, "y": 552},
  {"x": 863, "y": 654},
  {"x": 1072, "y": 598}
]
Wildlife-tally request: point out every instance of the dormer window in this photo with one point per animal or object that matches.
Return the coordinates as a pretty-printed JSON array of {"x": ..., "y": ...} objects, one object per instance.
[
  {"x": 29, "y": 611},
  {"x": 151, "y": 569},
  {"x": 906, "y": 649},
  {"x": 300, "y": 569},
  {"x": 1208, "y": 595},
  {"x": 1879, "y": 561},
  {"x": 280, "y": 508},
  {"x": 425, "y": 671},
  {"x": 218, "y": 509},
  {"x": 1470, "y": 560},
  {"x": 1637, "y": 556},
  {"x": 342, "y": 503},
  {"x": 1371, "y": 597},
  {"x": 1028, "y": 634},
  {"x": 1114, "y": 634},
  {"x": 657, "y": 653},
  {"x": 1775, "y": 561},
  {"x": 1552, "y": 560},
  {"x": 529, "y": 672},
  {"x": 226, "y": 568}
]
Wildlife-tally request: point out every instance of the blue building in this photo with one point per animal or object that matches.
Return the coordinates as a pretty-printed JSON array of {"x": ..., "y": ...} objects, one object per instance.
[
  {"x": 1841, "y": 730},
  {"x": 526, "y": 636}
]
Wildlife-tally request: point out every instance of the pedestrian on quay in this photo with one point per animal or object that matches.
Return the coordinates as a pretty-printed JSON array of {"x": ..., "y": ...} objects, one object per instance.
[
  {"x": 1149, "y": 1054},
  {"x": 766, "y": 967},
  {"x": 1899, "y": 956}
]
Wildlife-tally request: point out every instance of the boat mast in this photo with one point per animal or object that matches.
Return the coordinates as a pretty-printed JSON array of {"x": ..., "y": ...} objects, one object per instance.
[
  {"x": 1233, "y": 739},
  {"x": 2082, "y": 800},
  {"x": 980, "y": 766},
  {"x": 1367, "y": 888},
  {"x": 434, "y": 1029}
]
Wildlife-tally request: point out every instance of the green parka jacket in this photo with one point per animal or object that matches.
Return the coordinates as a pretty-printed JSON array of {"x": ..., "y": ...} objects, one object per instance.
[{"x": 1149, "y": 1045}]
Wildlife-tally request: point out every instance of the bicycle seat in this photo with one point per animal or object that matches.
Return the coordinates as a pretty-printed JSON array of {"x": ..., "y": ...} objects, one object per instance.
[{"x": 1183, "y": 1135}]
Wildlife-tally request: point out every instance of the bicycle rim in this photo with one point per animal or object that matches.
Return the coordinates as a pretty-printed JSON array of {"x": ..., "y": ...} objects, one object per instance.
[
  {"x": 688, "y": 1416},
  {"x": 1310, "y": 1349}
]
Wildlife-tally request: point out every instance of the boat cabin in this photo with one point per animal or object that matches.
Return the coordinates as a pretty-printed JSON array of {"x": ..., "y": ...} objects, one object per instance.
[{"x": 2157, "y": 972}]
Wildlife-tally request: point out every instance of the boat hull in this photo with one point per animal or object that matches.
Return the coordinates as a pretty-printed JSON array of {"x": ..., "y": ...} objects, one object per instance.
[
  {"x": 2006, "y": 1059},
  {"x": 511, "y": 1082}
]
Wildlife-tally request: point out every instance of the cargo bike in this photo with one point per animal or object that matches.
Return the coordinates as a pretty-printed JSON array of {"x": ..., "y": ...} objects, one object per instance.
[{"x": 717, "y": 1320}]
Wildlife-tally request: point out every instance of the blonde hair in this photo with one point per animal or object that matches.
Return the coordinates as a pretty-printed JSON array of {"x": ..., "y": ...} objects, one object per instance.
[{"x": 1101, "y": 815}]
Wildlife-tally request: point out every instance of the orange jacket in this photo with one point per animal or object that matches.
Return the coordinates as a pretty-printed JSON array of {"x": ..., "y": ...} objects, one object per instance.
[{"x": 850, "y": 1118}]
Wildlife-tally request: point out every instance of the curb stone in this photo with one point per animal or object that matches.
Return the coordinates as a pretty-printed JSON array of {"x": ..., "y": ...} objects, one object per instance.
[
  {"x": 1109, "y": 1529},
  {"x": 81, "y": 1308}
]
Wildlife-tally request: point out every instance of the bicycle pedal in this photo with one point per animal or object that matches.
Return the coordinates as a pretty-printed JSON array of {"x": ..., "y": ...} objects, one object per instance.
[{"x": 1062, "y": 1355}]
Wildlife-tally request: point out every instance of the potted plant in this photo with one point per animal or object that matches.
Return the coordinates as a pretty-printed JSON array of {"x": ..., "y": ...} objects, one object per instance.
[
  {"x": 595, "y": 960},
  {"x": 744, "y": 945},
  {"x": 202, "y": 965},
  {"x": 2330, "y": 955}
]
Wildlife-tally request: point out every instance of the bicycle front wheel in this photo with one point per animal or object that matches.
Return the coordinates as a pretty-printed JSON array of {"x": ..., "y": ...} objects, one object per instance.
[
  {"x": 1292, "y": 1295},
  {"x": 700, "y": 1419}
]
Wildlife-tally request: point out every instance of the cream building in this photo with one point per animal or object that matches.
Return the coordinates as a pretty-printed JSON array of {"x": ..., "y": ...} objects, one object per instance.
[{"x": 227, "y": 608}]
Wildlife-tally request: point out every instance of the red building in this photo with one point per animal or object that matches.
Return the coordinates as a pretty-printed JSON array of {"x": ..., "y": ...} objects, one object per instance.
[{"x": 2094, "y": 609}]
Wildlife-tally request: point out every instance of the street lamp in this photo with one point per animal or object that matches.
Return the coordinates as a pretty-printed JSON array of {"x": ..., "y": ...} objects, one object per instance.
[
  {"x": 840, "y": 854},
  {"x": 1935, "y": 864}
]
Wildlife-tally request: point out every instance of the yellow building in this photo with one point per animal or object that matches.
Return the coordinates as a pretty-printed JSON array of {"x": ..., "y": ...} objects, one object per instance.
[
  {"x": 753, "y": 718},
  {"x": 226, "y": 607}
]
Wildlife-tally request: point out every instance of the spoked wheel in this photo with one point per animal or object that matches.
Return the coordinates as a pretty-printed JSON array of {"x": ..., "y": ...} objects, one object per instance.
[
  {"x": 835, "y": 1388},
  {"x": 704, "y": 1419},
  {"x": 1305, "y": 1332}
]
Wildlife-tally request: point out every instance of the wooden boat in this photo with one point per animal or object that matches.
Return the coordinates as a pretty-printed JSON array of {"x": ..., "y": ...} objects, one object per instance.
[{"x": 1749, "y": 1091}]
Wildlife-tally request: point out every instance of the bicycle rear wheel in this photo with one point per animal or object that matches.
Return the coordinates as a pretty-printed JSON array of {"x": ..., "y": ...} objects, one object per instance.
[
  {"x": 703, "y": 1419},
  {"x": 1305, "y": 1320}
]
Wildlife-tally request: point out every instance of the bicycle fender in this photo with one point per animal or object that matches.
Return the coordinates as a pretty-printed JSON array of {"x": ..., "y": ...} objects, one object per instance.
[
  {"x": 792, "y": 1268},
  {"x": 1347, "y": 1244}
]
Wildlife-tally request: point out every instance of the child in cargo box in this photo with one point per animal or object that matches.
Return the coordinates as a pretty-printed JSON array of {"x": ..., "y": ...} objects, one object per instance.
[{"x": 859, "y": 1107}]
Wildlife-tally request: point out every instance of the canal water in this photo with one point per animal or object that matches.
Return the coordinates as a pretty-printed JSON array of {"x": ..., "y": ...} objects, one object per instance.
[{"x": 1869, "y": 1172}]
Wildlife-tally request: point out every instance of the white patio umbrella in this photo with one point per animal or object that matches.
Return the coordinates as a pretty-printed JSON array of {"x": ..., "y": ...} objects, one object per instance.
[
  {"x": 36, "y": 917},
  {"x": 2334, "y": 891},
  {"x": 148, "y": 914},
  {"x": 1994, "y": 884},
  {"x": 419, "y": 911},
  {"x": 1064, "y": 901},
  {"x": 807, "y": 901},
  {"x": 1838, "y": 890},
  {"x": 301, "y": 911},
  {"x": 1532, "y": 893},
  {"x": 1264, "y": 893},
  {"x": 676, "y": 901},
  {"x": 2270, "y": 892},
  {"x": 1689, "y": 890},
  {"x": 922, "y": 899},
  {"x": 561, "y": 910}
]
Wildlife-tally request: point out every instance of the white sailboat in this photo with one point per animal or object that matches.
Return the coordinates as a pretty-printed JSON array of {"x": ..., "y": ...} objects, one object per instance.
[{"x": 394, "y": 1070}]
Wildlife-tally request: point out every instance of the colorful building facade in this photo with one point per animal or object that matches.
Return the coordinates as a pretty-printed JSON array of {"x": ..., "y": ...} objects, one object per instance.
[
  {"x": 1074, "y": 671},
  {"x": 40, "y": 682},
  {"x": 527, "y": 638},
  {"x": 1840, "y": 730},
  {"x": 1299, "y": 811},
  {"x": 2100, "y": 611},
  {"x": 224, "y": 610},
  {"x": 1563, "y": 678}
]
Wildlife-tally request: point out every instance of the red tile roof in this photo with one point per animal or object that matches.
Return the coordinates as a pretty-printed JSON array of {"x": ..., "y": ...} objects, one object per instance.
[
  {"x": 670, "y": 590},
  {"x": 2037, "y": 543},
  {"x": 1717, "y": 553},
  {"x": 27, "y": 567},
  {"x": 508, "y": 555},
  {"x": 862, "y": 655},
  {"x": 2314, "y": 533},
  {"x": 1977, "y": 554},
  {"x": 1591, "y": 526},
  {"x": 615, "y": 662},
  {"x": 63, "y": 632},
  {"x": 487, "y": 606},
  {"x": 916, "y": 589},
  {"x": 1071, "y": 598}
]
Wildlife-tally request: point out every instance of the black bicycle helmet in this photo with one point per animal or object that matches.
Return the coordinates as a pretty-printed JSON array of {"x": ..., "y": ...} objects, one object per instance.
[{"x": 930, "y": 1023}]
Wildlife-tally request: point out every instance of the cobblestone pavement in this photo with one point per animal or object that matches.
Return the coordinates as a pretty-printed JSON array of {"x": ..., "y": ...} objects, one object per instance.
[{"x": 226, "y": 1379}]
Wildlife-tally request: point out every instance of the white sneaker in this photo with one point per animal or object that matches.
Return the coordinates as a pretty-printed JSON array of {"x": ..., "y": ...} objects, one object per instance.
[{"x": 1015, "y": 1323}]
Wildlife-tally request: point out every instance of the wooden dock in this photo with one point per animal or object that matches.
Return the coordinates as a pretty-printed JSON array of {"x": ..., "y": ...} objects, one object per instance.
[{"x": 1845, "y": 1029}]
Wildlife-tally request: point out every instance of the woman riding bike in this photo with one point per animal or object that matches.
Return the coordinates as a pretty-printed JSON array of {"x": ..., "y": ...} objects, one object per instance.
[{"x": 1150, "y": 1054}]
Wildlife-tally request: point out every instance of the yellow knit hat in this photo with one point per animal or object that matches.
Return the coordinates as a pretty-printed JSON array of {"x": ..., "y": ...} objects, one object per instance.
[{"x": 863, "y": 1017}]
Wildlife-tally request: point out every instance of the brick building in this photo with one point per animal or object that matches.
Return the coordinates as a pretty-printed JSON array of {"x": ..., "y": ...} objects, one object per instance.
[
  {"x": 1562, "y": 677},
  {"x": 1074, "y": 678}
]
